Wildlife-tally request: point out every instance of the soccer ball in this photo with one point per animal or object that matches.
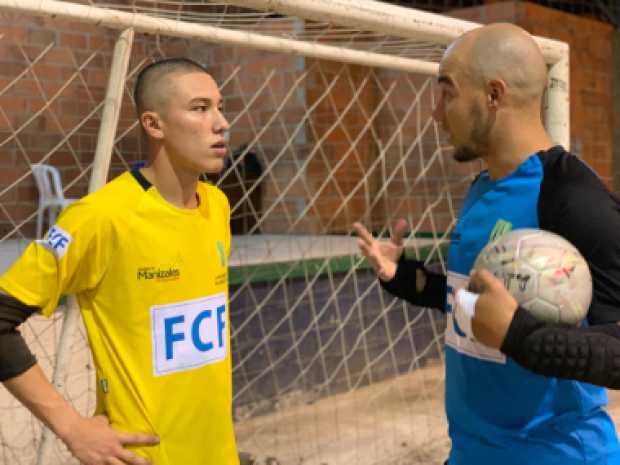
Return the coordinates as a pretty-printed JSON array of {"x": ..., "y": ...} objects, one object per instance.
[{"x": 544, "y": 272}]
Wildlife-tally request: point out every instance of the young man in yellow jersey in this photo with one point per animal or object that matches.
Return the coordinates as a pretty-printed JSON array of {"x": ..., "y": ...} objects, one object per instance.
[{"x": 146, "y": 256}]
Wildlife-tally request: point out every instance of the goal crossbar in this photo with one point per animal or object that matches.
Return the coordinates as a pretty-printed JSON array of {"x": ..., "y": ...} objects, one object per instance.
[
  {"x": 389, "y": 19},
  {"x": 370, "y": 14}
]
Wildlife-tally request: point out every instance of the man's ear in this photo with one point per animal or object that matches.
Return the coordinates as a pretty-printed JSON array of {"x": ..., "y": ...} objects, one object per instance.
[
  {"x": 152, "y": 124},
  {"x": 496, "y": 93}
]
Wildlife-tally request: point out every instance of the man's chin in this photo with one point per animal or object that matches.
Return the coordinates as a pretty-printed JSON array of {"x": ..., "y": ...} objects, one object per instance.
[
  {"x": 464, "y": 154},
  {"x": 214, "y": 166}
]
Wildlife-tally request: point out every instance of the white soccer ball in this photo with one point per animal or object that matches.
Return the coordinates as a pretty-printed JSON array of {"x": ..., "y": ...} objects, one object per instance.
[{"x": 544, "y": 272}]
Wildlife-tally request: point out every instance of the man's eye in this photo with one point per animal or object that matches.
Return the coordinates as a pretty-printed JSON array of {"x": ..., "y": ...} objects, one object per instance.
[{"x": 201, "y": 108}]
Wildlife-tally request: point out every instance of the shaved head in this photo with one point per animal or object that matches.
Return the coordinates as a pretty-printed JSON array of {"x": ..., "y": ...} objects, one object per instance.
[
  {"x": 502, "y": 52},
  {"x": 491, "y": 84},
  {"x": 154, "y": 86}
]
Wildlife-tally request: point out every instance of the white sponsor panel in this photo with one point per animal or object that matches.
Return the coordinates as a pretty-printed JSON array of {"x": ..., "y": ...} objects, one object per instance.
[
  {"x": 57, "y": 241},
  {"x": 189, "y": 334},
  {"x": 459, "y": 335}
]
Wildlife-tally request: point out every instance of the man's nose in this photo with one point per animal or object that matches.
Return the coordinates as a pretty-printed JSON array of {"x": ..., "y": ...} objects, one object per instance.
[{"x": 222, "y": 124}]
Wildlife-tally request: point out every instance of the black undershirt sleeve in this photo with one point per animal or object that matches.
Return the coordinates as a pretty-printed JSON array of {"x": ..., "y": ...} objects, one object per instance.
[
  {"x": 15, "y": 356},
  {"x": 403, "y": 285},
  {"x": 575, "y": 204}
]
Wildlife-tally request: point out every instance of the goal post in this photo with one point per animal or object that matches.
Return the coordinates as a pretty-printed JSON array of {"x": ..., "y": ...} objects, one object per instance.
[{"x": 330, "y": 108}]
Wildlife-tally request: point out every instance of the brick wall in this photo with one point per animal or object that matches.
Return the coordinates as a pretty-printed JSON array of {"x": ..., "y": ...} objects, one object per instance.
[
  {"x": 262, "y": 100},
  {"x": 341, "y": 121},
  {"x": 305, "y": 187},
  {"x": 260, "y": 96},
  {"x": 53, "y": 76},
  {"x": 424, "y": 184}
]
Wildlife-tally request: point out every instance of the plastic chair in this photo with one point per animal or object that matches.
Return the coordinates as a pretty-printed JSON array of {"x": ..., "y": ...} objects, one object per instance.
[{"x": 51, "y": 196}]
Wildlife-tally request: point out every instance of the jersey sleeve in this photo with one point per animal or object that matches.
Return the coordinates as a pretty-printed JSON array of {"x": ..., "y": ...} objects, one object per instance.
[
  {"x": 575, "y": 204},
  {"x": 589, "y": 219},
  {"x": 72, "y": 258}
]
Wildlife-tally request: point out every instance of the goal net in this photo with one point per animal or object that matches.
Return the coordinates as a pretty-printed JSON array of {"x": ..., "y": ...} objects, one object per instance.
[{"x": 330, "y": 108}]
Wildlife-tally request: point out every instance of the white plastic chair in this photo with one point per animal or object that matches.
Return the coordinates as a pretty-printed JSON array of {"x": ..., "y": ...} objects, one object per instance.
[{"x": 51, "y": 196}]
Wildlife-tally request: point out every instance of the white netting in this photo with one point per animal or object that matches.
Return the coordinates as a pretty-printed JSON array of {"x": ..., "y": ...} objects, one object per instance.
[
  {"x": 328, "y": 369},
  {"x": 227, "y": 15}
]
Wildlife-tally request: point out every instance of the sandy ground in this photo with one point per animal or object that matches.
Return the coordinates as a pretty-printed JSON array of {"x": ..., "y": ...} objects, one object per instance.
[
  {"x": 400, "y": 421},
  {"x": 396, "y": 422}
]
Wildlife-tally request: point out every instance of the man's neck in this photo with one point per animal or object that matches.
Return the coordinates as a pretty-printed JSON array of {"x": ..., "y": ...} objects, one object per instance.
[
  {"x": 506, "y": 153},
  {"x": 174, "y": 184}
]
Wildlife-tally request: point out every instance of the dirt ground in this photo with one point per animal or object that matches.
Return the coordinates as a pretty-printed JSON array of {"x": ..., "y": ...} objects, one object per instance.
[
  {"x": 399, "y": 421},
  {"x": 396, "y": 422}
]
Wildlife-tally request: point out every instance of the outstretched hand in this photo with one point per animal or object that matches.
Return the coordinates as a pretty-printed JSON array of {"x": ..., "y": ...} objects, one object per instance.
[{"x": 383, "y": 256}]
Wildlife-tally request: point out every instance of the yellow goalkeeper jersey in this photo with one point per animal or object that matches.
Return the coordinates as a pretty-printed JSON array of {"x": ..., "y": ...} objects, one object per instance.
[{"x": 151, "y": 280}]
